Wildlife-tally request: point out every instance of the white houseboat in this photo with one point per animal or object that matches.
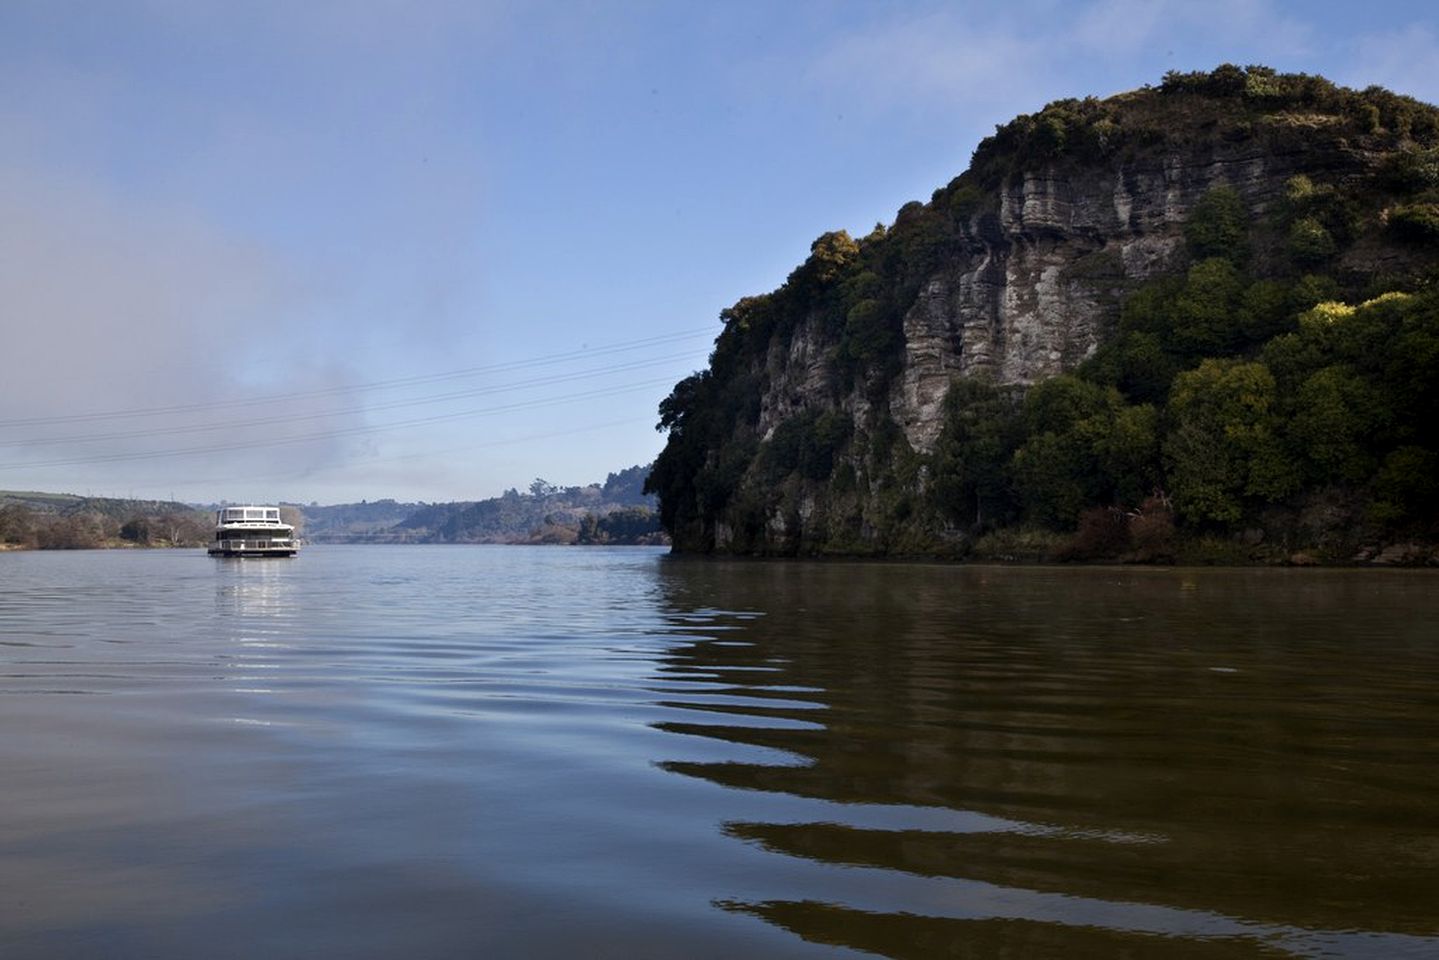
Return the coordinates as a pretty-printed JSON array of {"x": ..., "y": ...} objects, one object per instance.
[{"x": 251, "y": 531}]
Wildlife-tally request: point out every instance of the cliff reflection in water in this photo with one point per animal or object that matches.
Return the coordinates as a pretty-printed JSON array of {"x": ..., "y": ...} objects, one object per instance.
[{"x": 1086, "y": 762}]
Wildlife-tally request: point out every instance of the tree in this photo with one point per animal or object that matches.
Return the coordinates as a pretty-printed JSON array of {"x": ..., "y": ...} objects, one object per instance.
[
  {"x": 970, "y": 464},
  {"x": 1310, "y": 243},
  {"x": 180, "y": 525},
  {"x": 1126, "y": 443},
  {"x": 1218, "y": 226},
  {"x": 1407, "y": 487},
  {"x": 1337, "y": 415},
  {"x": 136, "y": 530},
  {"x": 1222, "y": 446},
  {"x": 1057, "y": 404},
  {"x": 1144, "y": 370},
  {"x": 1206, "y": 317},
  {"x": 17, "y": 524},
  {"x": 1086, "y": 447},
  {"x": 1055, "y": 477}
]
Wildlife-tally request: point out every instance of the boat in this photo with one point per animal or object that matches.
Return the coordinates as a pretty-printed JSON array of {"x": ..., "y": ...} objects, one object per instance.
[{"x": 252, "y": 531}]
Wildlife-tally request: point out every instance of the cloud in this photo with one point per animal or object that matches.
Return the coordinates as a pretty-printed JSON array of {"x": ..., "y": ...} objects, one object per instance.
[
  {"x": 1033, "y": 52},
  {"x": 935, "y": 57},
  {"x": 224, "y": 203},
  {"x": 1138, "y": 26},
  {"x": 1243, "y": 28},
  {"x": 1406, "y": 60},
  {"x": 111, "y": 306}
]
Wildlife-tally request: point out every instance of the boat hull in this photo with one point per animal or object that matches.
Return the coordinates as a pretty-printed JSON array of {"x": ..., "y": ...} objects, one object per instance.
[{"x": 253, "y": 552}]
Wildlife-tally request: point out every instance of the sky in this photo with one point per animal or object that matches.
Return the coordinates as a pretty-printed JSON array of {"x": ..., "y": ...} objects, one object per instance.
[{"x": 333, "y": 251}]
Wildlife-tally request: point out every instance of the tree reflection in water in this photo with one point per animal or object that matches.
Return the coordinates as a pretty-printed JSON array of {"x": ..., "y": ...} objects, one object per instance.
[{"x": 1094, "y": 762}]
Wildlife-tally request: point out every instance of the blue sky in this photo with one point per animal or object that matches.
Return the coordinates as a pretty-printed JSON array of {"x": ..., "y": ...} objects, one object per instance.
[{"x": 342, "y": 250}]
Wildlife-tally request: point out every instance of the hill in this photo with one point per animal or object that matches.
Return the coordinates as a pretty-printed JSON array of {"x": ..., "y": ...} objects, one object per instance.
[
  {"x": 69, "y": 521},
  {"x": 351, "y": 522},
  {"x": 544, "y": 514}
]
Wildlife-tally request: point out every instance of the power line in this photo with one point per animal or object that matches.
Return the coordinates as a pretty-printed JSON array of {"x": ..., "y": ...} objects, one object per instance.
[
  {"x": 366, "y": 461},
  {"x": 620, "y": 347},
  {"x": 335, "y": 434},
  {"x": 344, "y": 411}
]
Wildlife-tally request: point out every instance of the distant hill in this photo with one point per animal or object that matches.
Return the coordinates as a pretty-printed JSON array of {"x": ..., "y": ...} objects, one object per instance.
[
  {"x": 31, "y": 518},
  {"x": 615, "y": 511},
  {"x": 352, "y": 522},
  {"x": 544, "y": 514}
]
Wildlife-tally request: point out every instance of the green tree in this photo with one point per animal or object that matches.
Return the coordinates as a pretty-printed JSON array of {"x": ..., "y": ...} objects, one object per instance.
[
  {"x": 1145, "y": 368},
  {"x": 1207, "y": 318},
  {"x": 1055, "y": 477},
  {"x": 1264, "y": 311},
  {"x": 1222, "y": 446},
  {"x": 1126, "y": 443},
  {"x": 1084, "y": 449},
  {"x": 831, "y": 258},
  {"x": 1407, "y": 487},
  {"x": 1337, "y": 415},
  {"x": 1310, "y": 244},
  {"x": 969, "y": 467},
  {"x": 868, "y": 339},
  {"x": 1417, "y": 223},
  {"x": 1218, "y": 226},
  {"x": 1057, "y": 404}
]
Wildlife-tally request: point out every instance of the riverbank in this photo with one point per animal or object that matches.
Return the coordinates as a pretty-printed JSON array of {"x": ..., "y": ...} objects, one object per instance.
[
  {"x": 1034, "y": 546},
  {"x": 108, "y": 545},
  {"x": 1017, "y": 547},
  {"x": 1248, "y": 549}
]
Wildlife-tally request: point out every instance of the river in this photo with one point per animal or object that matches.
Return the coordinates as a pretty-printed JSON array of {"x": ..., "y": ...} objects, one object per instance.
[{"x": 418, "y": 751}]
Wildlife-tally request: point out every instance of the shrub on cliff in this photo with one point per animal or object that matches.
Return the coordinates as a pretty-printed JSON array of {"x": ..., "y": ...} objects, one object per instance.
[
  {"x": 1218, "y": 226},
  {"x": 1416, "y": 223}
]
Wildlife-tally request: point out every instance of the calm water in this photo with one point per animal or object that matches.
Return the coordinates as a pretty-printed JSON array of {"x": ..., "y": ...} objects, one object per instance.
[{"x": 511, "y": 752}]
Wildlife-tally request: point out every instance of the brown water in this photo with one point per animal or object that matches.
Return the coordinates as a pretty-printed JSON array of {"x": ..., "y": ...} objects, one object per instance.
[{"x": 514, "y": 752}]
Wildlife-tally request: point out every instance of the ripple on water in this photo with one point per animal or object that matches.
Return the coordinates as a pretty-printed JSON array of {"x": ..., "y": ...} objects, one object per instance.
[{"x": 525, "y": 752}]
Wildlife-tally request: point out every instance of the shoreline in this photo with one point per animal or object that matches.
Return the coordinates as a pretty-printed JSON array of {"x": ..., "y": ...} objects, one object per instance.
[{"x": 1403, "y": 556}]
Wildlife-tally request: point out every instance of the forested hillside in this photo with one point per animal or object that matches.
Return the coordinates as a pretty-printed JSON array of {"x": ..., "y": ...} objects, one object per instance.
[
  {"x": 544, "y": 513},
  {"x": 60, "y": 521},
  {"x": 1197, "y": 320}
]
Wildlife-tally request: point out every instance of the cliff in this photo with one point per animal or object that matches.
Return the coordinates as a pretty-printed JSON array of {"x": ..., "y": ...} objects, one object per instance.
[{"x": 821, "y": 423}]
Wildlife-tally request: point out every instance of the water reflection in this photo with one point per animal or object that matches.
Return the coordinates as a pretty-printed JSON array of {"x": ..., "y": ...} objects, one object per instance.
[
  {"x": 1105, "y": 760},
  {"x": 257, "y": 603},
  {"x": 255, "y": 589}
]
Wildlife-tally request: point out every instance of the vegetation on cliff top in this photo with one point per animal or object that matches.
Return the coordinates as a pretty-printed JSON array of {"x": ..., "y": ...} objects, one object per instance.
[{"x": 1267, "y": 386}]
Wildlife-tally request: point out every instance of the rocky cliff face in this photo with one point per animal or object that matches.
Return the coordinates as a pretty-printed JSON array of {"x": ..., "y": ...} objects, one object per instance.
[
  {"x": 1040, "y": 285},
  {"x": 1021, "y": 276}
]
